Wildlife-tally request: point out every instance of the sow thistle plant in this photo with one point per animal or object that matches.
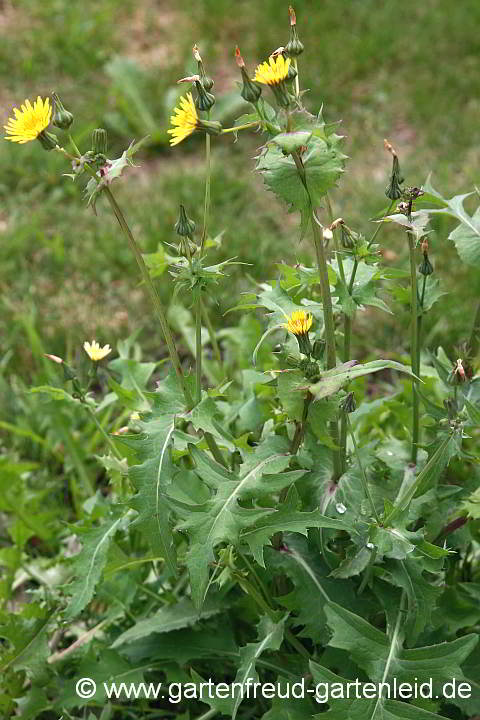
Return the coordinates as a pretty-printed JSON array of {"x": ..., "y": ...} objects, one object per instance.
[{"x": 266, "y": 522}]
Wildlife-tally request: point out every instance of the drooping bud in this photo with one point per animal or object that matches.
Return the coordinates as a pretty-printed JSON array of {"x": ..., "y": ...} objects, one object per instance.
[
  {"x": 62, "y": 118},
  {"x": 251, "y": 90},
  {"x": 185, "y": 227},
  {"x": 426, "y": 267},
  {"x": 393, "y": 189},
  {"x": 348, "y": 237},
  {"x": 458, "y": 374},
  {"x": 348, "y": 404},
  {"x": 68, "y": 372},
  {"x": 99, "y": 141},
  {"x": 204, "y": 100},
  {"x": 294, "y": 47},
  {"x": 206, "y": 81},
  {"x": 48, "y": 140}
]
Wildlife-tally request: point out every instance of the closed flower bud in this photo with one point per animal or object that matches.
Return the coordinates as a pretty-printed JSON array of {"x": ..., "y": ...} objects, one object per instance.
[
  {"x": 294, "y": 47},
  {"x": 62, "y": 118},
  {"x": 99, "y": 141},
  {"x": 251, "y": 90},
  {"x": 205, "y": 100},
  {"x": 292, "y": 73},
  {"x": 426, "y": 267},
  {"x": 206, "y": 81},
  {"x": 310, "y": 370},
  {"x": 348, "y": 237},
  {"x": 185, "y": 227},
  {"x": 348, "y": 404},
  {"x": 393, "y": 189},
  {"x": 49, "y": 140},
  {"x": 318, "y": 349}
]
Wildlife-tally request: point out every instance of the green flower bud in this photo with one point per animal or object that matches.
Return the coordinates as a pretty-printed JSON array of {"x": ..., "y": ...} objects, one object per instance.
[
  {"x": 281, "y": 95},
  {"x": 426, "y": 267},
  {"x": 310, "y": 370},
  {"x": 294, "y": 47},
  {"x": 205, "y": 100},
  {"x": 187, "y": 247},
  {"x": 348, "y": 404},
  {"x": 185, "y": 227},
  {"x": 348, "y": 237},
  {"x": 393, "y": 189},
  {"x": 292, "y": 73},
  {"x": 99, "y": 141},
  {"x": 212, "y": 127},
  {"x": 61, "y": 117},
  {"x": 318, "y": 349},
  {"x": 304, "y": 344},
  {"x": 206, "y": 81},
  {"x": 251, "y": 90},
  {"x": 49, "y": 140}
]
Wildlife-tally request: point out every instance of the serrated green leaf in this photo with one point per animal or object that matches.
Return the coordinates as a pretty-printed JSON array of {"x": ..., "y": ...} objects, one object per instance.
[
  {"x": 333, "y": 380},
  {"x": 291, "y": 141},
  {"x": 344, "y": 705},
  {"x": 323, "y": 163},
  {"x": 88, "y": 565},
  {"x": 221, "y": 518},
  {"x": 26, "y": 633},
  {"x": 171, "y": 617},
  {"x": 270, "y": 637},
  {"x": 291, "y": 391},
  {"x": 384, "y": 658},
  {"x": 466, "y": 236},
  {"x": 287, "y": 519}
]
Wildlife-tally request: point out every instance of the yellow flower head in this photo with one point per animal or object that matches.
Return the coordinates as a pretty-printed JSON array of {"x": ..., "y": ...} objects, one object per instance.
[
  {"x": 299, "y": 322},
  {"x": 272, "y": 72},
  {"x": 95, "y": 352},
  {"x": 30, "y": 121},
  {"x": 184, "y": 120}
]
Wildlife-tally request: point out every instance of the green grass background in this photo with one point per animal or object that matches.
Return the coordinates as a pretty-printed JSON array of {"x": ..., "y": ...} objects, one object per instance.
[{"x": 407, "y": 71}]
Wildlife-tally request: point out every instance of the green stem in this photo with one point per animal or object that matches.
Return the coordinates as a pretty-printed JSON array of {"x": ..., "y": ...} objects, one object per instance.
[
  {"x": 297, "y": 79},
  {"x": 241, "y": 127},
  {"x": 214, "y": 449},
  {"x": 366, "y": 489},
  {"x": 213, "y": 337},
  {"x": 100, "y": 427},
  {"x": 209, "y": 714},
  {"x": 368, "y": 571},
  {"x": 414, "y": 346},
  {"x": 343, "y": 442},
  {"x": 331, "y": 356},
  {"x": 381, "y": 224},
  {"x": 325, "y": 291},
  {"x": 206, "y": 212},
  {"x": 198, "y": 347},
  {"x": 74, "y": 145},
  {"x": 420, "y": 319},
  {"x": 300, "y": 429},
  {"x": 157, "y": 303}
]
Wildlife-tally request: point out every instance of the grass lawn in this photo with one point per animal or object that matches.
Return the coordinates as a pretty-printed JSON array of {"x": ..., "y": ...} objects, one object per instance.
[{"x": 408, "y": 74}]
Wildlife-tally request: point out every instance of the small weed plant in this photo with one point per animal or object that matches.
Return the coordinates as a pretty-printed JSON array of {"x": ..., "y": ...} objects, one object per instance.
[{"x": 253, "y": 521}]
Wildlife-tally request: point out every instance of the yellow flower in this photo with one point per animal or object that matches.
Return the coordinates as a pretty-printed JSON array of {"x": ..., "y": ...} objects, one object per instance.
[
  {"x": 184, "y": 120},
  {"x": 134, "y": 416},
  {"x": 30, "y": 121},
  {"x": 299, "y": 322},
  {"x": 95, "y": 352},
  {"x": 272, "y": 72}
]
